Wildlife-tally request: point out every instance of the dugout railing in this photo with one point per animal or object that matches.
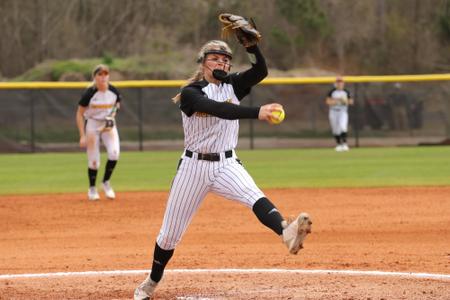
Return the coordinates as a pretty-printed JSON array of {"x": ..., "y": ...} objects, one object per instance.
[{"x": 388, "y": 110}]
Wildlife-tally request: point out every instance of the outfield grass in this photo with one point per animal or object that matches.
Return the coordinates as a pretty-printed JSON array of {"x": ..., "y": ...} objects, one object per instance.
[{"x": 137, "y": 171}]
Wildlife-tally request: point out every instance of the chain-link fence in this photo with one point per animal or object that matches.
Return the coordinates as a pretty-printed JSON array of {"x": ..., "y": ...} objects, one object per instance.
[{"x": 385, "y": 113}]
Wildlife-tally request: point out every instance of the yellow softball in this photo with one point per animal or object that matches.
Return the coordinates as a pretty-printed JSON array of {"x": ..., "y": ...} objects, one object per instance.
[{"x": 278, "y": 116}]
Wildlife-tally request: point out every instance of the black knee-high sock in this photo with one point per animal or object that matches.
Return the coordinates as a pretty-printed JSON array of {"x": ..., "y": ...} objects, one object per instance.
[
  {"x": 160, "y": 259},
  {"x": 92, "y": 174},
  {"x": 344, "y": 137},
  {"x": 110, "y": 165},
  {"x": 268, "y": 214},
  {"x": 338, "y": 139}
]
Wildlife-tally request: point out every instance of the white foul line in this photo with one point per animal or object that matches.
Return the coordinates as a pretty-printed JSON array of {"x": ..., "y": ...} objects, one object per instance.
[{"x": 296, "y": 271}]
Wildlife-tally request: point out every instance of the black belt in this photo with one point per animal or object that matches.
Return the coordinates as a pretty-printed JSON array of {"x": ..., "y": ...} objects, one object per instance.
[{"x": 209, "y": 156}]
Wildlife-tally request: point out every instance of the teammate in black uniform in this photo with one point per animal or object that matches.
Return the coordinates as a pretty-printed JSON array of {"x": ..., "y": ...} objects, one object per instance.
[
  {"x": 99, "y": 101},
  {"x": 210, "y": 109}
]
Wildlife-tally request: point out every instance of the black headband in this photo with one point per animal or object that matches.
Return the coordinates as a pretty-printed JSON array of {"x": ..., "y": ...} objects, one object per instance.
[{"x": 214, "y": 51}]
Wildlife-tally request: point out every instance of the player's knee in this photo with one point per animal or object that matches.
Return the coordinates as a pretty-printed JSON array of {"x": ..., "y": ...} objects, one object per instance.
[
  {"x": 167, "y": 242},
  {"x": 94, "y": 164},
  {"x": 114, "y": 155}
]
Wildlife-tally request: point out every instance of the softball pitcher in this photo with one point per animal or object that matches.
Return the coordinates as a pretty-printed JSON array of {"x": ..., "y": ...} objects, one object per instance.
[
  {"x": 338, "y": 100},
  {"x": 210, "y": 110},
  {"x": 95, "y": 121}
]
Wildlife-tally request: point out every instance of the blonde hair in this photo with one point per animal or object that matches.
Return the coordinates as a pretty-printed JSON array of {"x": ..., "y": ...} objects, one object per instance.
[{"x": 209, "y": 47}]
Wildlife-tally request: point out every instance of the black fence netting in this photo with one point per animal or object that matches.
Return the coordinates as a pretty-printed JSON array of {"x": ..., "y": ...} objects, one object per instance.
[{"x": 39, "y": 120}]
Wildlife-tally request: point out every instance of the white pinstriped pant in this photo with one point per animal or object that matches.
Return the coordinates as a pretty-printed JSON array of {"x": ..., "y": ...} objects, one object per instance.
[{"x": 194, "y": 179}]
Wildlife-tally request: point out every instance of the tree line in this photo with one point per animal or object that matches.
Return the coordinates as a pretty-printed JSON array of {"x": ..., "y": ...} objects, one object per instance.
[{"x": 346, "y": 36}]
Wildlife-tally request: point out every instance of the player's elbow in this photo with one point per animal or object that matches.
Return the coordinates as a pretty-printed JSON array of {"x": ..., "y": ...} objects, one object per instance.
[
  {"x": 263, "y": 72},
  {"x": 79, "y": 115}
]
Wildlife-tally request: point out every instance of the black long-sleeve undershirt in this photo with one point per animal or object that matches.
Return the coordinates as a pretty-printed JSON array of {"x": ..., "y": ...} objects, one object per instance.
[
  {"x": 193, "y": 100},
  {"x": 243, "y": 81}
]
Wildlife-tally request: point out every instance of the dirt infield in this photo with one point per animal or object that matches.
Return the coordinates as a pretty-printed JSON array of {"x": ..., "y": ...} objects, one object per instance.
[{"x": 391, "y": 230}]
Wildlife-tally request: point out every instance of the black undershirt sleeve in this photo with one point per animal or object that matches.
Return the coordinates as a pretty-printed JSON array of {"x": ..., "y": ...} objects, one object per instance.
[
  {"x": 193, "y": 100},
  {"x": 243, "y": 81}
]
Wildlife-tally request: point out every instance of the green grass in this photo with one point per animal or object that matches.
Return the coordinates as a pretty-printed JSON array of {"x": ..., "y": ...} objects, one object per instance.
[
  {"x": 135, "y": 67},
  {"x": 154, "y": 170}
]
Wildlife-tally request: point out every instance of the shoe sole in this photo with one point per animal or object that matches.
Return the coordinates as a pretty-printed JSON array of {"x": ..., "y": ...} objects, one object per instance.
[
  {"x": 304, "y": 228},
  {"x": 138, "y": 296},
  {"x": 108, "y": 197},
  {"x": 94, "y": 198}
]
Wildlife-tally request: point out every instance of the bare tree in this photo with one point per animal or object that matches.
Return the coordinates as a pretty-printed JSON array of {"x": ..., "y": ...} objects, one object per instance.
[{"x": 394, "y": 36}]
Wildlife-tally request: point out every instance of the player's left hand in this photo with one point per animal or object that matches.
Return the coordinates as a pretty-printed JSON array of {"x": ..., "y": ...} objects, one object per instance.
[{"x": 244, "y": 30}]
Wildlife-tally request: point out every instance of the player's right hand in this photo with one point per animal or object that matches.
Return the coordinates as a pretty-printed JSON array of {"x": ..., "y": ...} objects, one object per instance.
[
  {"x": 265, "y": 111},
  {"x": 83, "y": 141}
]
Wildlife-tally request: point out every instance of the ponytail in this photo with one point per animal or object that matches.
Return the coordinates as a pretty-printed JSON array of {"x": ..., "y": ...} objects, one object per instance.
[{"x": 198, "y": 75}]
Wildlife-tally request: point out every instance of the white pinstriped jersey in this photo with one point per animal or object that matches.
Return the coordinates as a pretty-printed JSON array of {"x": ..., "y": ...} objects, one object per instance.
[{"x": 204, "y": 133}]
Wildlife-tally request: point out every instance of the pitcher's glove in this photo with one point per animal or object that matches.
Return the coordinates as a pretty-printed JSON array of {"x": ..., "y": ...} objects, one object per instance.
[
  {"x": 244, "y": 30},
  {"x": 110, "y": 122}
]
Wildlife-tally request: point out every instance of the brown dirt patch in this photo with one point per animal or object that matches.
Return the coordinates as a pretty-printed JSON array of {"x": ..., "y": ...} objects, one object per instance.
[{"x": 392, "y": 229}]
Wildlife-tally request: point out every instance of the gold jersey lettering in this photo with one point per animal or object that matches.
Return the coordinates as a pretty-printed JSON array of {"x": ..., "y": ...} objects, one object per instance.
[{"x": 201, "y": 114}]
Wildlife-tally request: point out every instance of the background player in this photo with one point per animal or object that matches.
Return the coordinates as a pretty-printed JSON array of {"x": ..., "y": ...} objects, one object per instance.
[
  {"x": 210, "y": 113},
  {"x": 98, "y": 104},
  {"x": 338, "y": 100}
]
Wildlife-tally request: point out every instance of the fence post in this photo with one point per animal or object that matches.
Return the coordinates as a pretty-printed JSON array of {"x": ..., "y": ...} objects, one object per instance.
[
  {"x": 356, "y": 113},
  {"x": 446, "y": 120},
  {"x": 251, "y": 130},
  {"x": 140, "y": 120},
  {"x": 32, "y": 123}
]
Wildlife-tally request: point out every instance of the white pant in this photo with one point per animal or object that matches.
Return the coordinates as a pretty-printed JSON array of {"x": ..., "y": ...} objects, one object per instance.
[
  {"x": 338, "y": 121},
  {"x": 194, "y": 179},
  {"x": 109, "y": 138}
]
